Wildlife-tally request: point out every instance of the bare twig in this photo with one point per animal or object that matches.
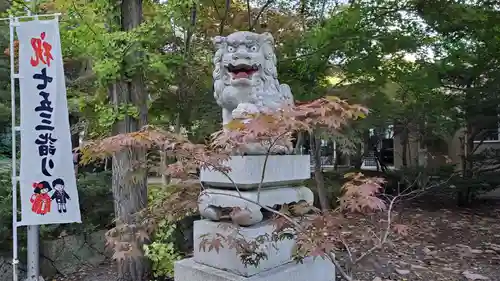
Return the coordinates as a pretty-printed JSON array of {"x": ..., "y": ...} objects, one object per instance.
[
  {"x": 252, "y": 26},
  {"x": 384, "y": 236},
  {"x": 342, "y": 272},
  {"x": 348, "y": 249}
]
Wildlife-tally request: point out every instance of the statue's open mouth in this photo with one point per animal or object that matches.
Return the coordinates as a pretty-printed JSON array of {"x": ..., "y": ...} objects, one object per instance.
[{"x": 242, "y": 70}]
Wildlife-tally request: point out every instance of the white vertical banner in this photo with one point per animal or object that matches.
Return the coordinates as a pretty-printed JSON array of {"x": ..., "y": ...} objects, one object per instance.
[{"x": 47, "y": 179}]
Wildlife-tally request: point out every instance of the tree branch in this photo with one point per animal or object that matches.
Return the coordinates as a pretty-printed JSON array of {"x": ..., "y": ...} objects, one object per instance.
[
  {"x": 249, "y": 16},
  {"x": 216, "y": 10},
  {"x": 252, "y": 26},
  {"x": 265, "y": 164},
  {"x": 385, "y": 235},
  {"x": 223, "y": 20}
]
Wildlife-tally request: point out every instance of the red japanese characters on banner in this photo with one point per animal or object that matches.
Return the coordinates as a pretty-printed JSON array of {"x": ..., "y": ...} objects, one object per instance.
[{"x": 42, "y": 51}]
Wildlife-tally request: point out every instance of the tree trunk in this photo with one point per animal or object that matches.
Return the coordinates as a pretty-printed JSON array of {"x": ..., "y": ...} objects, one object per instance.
[
  {"x": 129, "y": 175},
  {"x": 331, "y": 153},
  {"x": 165, "y": 179},
  {"x": 75, "y": 135},
  {"x": 336, "y": 157},
  {"x": 404, "y": 146},
  {"x": 299, "y": 143},
  {"x": 75, "y": 142},
  {"x": 318, "y": 173},
  {"x": 362, "y": 151},
  {"x": 465, "y": 192}
]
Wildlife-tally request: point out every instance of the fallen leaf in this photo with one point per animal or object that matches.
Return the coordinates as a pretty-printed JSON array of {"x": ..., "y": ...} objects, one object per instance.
[
  {"x": 241, "y": 216},
  {"x": 415, "y": 266},
  {"x": 400, "y": 229},
  {"x": 377, "y": 279},
  {"x": 473, "y": 276},
  {"x": 494, "y": 247},
  {"x": 402, "y": 271},
  {"x": 464, "y": 251},
  {"x": 119, "y": 256},
  {"x": 301, "y": 208}
]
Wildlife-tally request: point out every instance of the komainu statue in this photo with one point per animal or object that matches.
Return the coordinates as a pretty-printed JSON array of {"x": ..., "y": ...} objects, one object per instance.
[
  {"x": 245, "y": 75},
  {"x": 246, "y": 80}
]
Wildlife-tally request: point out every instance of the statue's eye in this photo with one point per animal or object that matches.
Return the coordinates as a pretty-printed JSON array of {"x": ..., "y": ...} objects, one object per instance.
[
  {"x": 254, "y": 48},
  {"x": 230, "y": 49}
]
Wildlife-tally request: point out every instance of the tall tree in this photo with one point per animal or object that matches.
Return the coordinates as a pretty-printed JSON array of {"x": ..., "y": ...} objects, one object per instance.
[
  {"x": 468, "y": 67},
  {"x": 129, "y": 179},
  {"x": 5, "y": 95}
]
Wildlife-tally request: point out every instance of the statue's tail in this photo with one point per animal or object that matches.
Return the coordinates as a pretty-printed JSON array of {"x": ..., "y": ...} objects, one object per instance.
[{"x": 286, "y": 94}]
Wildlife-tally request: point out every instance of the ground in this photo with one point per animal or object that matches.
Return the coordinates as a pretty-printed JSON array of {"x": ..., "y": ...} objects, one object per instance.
[{"x": 443, "y": 243}]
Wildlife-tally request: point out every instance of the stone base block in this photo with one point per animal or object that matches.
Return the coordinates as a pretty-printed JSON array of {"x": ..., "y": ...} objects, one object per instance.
[
  {"x": 278, "y": 253},
  {"x": 246, "y": 171},
  {"x": 310, "y": 270}
]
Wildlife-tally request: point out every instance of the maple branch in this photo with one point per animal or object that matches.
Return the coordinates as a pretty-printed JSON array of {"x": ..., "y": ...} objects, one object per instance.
[
  {"x": 387, "y": 231},
  {"x": 382, "y": 241},
  {"x": 224, "y": 173},
  {"x": 348, "y": 249},
  {"x": 373, "y": 233},
  {"x": 419, "y": 192},
  {"x": 297, "y": 226},
  {"x": 337, "y": 265},
  {"x": 389, "y": 220},
  {"x": 265, "y": 164}
]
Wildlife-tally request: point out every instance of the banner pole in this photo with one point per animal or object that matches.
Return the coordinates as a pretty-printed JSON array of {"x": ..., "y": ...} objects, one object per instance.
[
  {"x": 33, "y": 236},
  {"x": 33, "y": 253},
  {"x": 15, "y": 260}
]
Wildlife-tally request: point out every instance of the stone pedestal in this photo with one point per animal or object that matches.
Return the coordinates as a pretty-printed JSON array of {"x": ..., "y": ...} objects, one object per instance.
[
  {"x": 310, "y": 270},
  {"x": 282, "y": 181}
]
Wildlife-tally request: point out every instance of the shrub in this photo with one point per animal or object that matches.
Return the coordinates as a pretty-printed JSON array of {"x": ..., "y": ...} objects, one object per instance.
[
  {"x": 162, "y": 251},
  {"x": 6, "y": 207}
]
